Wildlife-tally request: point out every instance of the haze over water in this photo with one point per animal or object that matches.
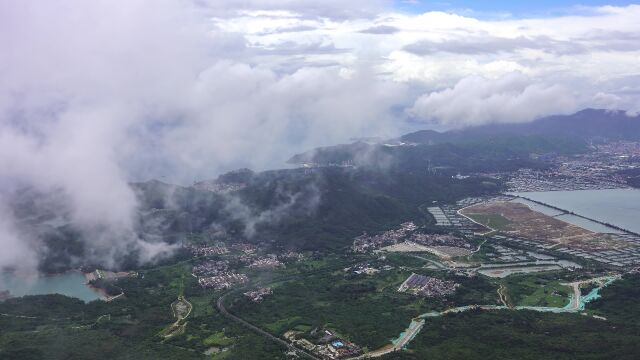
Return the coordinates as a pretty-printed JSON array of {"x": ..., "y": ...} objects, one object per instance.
[{"x": 619, "y": 207}]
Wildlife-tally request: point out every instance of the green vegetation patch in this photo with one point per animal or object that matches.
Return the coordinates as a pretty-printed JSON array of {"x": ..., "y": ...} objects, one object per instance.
[
  {"x": 494, "y": 221},
  {"x": 217, "y": 339},
  {"x": 366, "y": 309},
  {"x": 536, "y": 290},
  {"x": 524, "y": 335}
]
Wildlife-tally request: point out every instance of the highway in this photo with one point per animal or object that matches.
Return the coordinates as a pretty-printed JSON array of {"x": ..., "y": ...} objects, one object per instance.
[{"x": 223, "y": 310}]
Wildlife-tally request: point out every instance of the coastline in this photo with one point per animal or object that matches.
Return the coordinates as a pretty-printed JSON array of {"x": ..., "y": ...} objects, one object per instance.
[
  {"x": 20, "y": 278},
  {"x": 606, "y": 223},
  {"x": 567, "y": 212},
  {"x": 104, "y": 296}
]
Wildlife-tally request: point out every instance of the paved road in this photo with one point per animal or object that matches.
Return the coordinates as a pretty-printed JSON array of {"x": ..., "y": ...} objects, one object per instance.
[
  {"x": 435, "y": 263},
  {"x": 223, "y": 310},
  {"x": 417, "y": 323},
  {"x": 574, "y": 303}
]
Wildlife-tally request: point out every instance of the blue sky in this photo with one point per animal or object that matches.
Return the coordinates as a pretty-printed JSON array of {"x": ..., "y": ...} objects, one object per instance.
[{"x": 499, "y": 8}]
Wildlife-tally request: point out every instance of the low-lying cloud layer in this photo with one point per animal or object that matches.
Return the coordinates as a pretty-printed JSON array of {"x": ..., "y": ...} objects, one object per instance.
[
  {"x": 477, "y": 100},
  {"x": 95, "y": 95}
]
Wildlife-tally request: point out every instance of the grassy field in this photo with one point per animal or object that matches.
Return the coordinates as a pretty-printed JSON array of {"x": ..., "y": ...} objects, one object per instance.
[
  {"x": 536, "y": 290},
  {"x": 493, "y": 221},
  {"x": 217, "y": 339}
]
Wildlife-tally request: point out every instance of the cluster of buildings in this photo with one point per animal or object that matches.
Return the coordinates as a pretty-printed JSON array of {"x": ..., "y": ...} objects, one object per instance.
[
  {"x": 506, "y": 254},
  {"x": 439, "y": 239},
  {"x": 455, "y": 221},
  {"x": 338, "y": 349},
  {"x": 575, "y": 175},
  {"x": 470, "y": 201},
  {"x": 244, "y": 247},
  {"x": 598, "y": 169},
  {"x": 366, "y": 268},
  {"x": 462, "y": 224},
  {"x": 313, "y": 165},
  {"x": 222, "y": 281},
  {"x": 291, "y": 256},
  {"x": 258, "y": 295},
  {"x": 326, "y": 344},
  {"x": 107, "y": 275},
  {"x": 447, "y": 252},
  {"x": 439, "y": 216},
  {"x": 216, "y": 275},
  {"x": 211, "y": 268},
  {"x": 505, "y": 261},
  {"x": 218, "y": 187},
  {"x": 205, "y": 250},
  {"x": 623, "y": 150},
  {"x": 365, "y": 242},
  {"x": 621, "y": 257},
  {"x": 428, "y": 286},
  {"x": 267, "y": 262},
  {"x": 405, "y": 239}
]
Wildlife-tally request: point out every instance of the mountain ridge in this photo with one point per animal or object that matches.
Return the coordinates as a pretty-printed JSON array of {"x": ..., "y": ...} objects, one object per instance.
[{"x": 584, "y": 123}]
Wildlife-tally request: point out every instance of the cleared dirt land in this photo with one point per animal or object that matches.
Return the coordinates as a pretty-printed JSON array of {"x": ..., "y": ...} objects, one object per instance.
[
  {"x": 519, "y": 220},
  {"x": 181, "y": 309},
  {"x": 443, "y": 252}
]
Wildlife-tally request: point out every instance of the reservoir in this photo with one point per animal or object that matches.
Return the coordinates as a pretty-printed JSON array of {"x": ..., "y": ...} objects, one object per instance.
[
  {"x": 620, "y": 207},
  {"x": 71, "y": 284}
]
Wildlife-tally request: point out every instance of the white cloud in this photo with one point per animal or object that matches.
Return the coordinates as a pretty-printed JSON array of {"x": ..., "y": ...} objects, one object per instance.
[
  {"x": 94, "y": 95},
  {"x": 18, "y": 252},
  {"x": 98, "y": 95},
  {"x": 476, "y": 100},
  {"x": 618, "y": 101}
]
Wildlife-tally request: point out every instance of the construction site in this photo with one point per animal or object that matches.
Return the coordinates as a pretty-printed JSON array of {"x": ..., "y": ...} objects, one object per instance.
[{"x": 519, "y": 220}]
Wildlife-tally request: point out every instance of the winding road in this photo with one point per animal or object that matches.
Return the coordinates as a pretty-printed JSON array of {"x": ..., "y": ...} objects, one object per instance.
[
  {"x": 502, "y": 295},
  {"x": 223, "y": 310},
  {"x": 418, "y": 323}
]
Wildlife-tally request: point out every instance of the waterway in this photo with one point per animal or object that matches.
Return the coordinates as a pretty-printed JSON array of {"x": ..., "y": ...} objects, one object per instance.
[
  {"x": 619, "y": 207},
  {"x": 71, "y": 284}
]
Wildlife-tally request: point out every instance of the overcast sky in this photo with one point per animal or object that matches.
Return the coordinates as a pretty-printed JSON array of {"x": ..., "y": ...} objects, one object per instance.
[
  {"x": 187, "y": 88},
  {"x": 94, "y": 94}
]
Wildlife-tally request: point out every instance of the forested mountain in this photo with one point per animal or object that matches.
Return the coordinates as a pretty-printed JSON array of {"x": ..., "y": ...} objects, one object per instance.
[
  {"x": 585, "y": 125},
  {"x": 348, "y": 189}
]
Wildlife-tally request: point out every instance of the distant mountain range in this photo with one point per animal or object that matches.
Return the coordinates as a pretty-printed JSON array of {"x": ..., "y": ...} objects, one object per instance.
[
  {"x": 485, "y": 147},
  {"x": 589, "y": 124},
  {"x": 370, "y": 186}
]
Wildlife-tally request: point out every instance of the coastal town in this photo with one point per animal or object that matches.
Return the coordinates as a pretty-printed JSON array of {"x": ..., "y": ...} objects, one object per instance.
[{"x": 602, "y": 168}]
